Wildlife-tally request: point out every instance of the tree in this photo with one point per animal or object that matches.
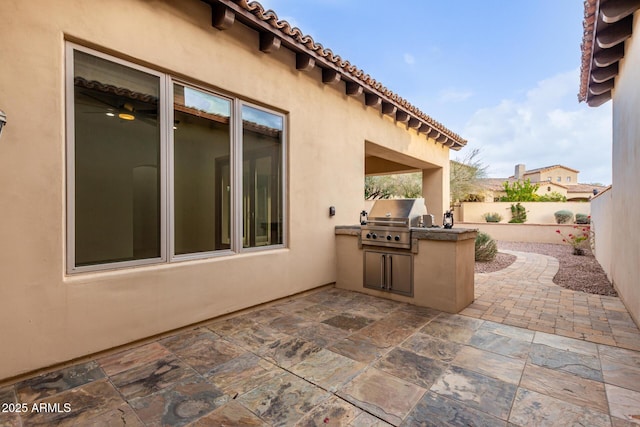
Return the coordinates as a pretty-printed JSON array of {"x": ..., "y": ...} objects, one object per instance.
[
  {"x": 406, "y": 185},
  {"x": 520, "y": 191},
  {"x": 465, "y": 175}
]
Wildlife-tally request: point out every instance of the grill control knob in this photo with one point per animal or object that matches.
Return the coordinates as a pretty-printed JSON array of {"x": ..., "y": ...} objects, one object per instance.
[
  {"x": 388, "y": 237},
  {"x": 374, "y": 235},
  {"x": 368, "y": 235},
  {"x": 397, "y": 238}
]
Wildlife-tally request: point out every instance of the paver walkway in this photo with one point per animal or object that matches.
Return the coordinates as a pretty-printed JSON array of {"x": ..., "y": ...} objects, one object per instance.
[
  {"x": 524, "y": 295},
  {"x": 340, "y": 358}
]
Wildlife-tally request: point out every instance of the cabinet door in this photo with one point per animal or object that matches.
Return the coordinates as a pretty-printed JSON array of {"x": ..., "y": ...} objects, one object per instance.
[
  {"x": 374, "y": 270},
  {"x": 399, "y": 273}
]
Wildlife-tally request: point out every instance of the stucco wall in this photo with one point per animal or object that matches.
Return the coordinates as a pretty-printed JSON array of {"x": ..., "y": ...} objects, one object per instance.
[
  {"x": 537, "y": 212},
  {"x": 50, "y": 317},
  {"x": 602, "y": 222},
  {"x": 625, "y": 269},
  {"x": 537, "y": 233}
]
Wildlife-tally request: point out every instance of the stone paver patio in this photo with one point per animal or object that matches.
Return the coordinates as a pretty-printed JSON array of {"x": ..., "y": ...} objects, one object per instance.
[{"x": 339, "y": 358}]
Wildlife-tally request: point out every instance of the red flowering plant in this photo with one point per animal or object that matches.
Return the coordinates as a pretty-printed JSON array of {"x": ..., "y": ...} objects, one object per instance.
[{"x": 576, "y": 239}]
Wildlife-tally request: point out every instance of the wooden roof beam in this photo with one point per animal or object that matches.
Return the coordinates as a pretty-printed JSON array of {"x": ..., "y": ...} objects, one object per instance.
[
  {"x": 600, "y": 88},
  {"x": 372, "y": 100},
  {"x": 402, "y": 116},
  {"x": 615, "y": 33},
  {"x": 598, "y": 100},
  {"x": 606, "y": 57},
  {"x": 222, "y": 18},
  {"x": 353, "y": 89},
  {"x": 269, "y": 42},
  {"x": 304, "y": 62},
  {"x": 414, "y": 123},
  {"x": 600, "y": 75},
  {"x": 388, "y": 108},
  {"x": 330, "y": 76},
  {"x": 616, "y": 10},
  {"x": 424, "y": 128}
]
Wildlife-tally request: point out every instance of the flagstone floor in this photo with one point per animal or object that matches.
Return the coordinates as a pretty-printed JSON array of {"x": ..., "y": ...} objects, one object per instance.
[{"x": 339, "y": 358}]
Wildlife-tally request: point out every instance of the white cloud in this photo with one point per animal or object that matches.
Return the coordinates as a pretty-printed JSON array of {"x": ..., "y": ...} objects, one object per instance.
[
  {"x": 547, "y": 126},
  {"x": 409, "y": 59}
]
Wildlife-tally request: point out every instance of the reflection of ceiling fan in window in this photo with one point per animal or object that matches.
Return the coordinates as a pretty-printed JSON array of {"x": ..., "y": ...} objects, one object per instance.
[{"x": 116, "y": 102}]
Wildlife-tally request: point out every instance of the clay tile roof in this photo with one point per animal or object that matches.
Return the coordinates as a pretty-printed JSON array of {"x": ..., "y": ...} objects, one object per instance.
[
  {"x": 306, "y": 42},
  {"x": 588, "y": 26}
]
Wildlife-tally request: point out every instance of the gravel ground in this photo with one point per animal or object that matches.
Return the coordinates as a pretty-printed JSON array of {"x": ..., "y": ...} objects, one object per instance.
[{"x": 580, "y": 273}]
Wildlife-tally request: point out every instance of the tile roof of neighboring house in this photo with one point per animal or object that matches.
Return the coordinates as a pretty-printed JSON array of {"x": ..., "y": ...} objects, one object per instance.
[
  {"x": 254, "y": 15},
  {"x": 607, "y": 24},
  {"x": 547, "y": 168},
  {"x": 585, "y": 188}
]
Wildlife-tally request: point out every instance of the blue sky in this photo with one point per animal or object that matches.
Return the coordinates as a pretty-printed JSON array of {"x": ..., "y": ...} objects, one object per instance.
[{"x": 504, "y": 74}]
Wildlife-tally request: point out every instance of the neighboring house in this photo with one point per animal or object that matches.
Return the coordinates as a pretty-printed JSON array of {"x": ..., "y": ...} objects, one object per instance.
[
  {"x": 168, "y": 162},
  {"x": 611, "y": 71},
  {"x": 550, "y": 179}
]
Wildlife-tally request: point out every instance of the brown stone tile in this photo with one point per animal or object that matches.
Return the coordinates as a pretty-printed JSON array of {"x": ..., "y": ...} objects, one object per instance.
[
  {"x": 10, "y": 415},
  {"x": 242, "y": 374},
  {"x": 202, "y": 349},
  {"x": 332, "y": 412},
  {"x": 75, "y": 406},
  {"x": 257, "y": 337},
  {"x": 565, "y": 386},
  {"x": 507, "y": 369},
  {"x": 288, "y": 352},
  {"x": 411, "y": 367},
  {"x": 565, "y": 343},
  {"x": 132, "y": 358},
  {"x": 179, "y": 404},
  {"x": 534, "y": 409},
  {"x": 289, "y": 324},
  {"x": 321, "y": 334},
  {"x": 583, "y": 365},
  {"x": 382, "y": 395},
  {"x": 328, "y": 370},
  {"x": 283, "y": 400},
  {"x": 230, "y": 414},
  {"x": 348, "y": 322},
  {"x": 154, "y": 376},
  {"x": 359, "y": 349},
  {"x": 452, "y": 327},
  {"x": 58, "y": 381},
  {"x": 432, "y": 347},
  {"x": 231, "y": 325}
]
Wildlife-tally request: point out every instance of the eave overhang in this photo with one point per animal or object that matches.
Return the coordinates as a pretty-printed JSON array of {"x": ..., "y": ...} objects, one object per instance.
[
  {"x": 607, "y": 24},
  {"x": 275, "y": 33}
]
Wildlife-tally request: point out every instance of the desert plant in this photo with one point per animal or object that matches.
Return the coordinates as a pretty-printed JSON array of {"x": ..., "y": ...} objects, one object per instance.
[
  {"x": 554, "y": 196},
  {"x": 492, "y": 217},
  {"x": 563, "y": 216},
  {"x": 486, "y": 247},
  {"x": 583, "y": 218},
  {"x": 518, "y": 214},
  {"x": 577, "y": 241}
]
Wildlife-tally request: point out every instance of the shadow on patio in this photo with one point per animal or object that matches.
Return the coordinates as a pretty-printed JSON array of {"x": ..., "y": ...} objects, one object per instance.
[{"x": 333, "y": 357}]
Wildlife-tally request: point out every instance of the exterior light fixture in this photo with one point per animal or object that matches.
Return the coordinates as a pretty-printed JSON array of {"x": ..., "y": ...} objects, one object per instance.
[
  {"x": 447, "y": 220},
  {"x": 3, "y": 120},
  {"x": 126, "y": 116}
]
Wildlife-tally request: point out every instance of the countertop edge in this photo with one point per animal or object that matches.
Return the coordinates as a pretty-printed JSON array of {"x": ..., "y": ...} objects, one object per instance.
[{"x": 442, "y": 234}]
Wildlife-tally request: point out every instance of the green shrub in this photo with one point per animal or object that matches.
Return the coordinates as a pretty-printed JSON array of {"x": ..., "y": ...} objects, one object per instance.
[
  {"x": 554, "y": 196},
  {"x": 563, "y": 217},
  {"x": 492, "y": 217},
  {"x": 518, "y": 214},
  {"x": 486, "y": 247},
  {"x": 583, "y": 218}
]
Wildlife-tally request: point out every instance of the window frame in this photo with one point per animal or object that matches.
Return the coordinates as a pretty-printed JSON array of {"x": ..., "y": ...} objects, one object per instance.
[{"x": 167, "y": 170}]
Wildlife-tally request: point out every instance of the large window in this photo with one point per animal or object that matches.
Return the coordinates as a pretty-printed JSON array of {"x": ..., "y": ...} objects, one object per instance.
[{"x": 160, "y": 170}]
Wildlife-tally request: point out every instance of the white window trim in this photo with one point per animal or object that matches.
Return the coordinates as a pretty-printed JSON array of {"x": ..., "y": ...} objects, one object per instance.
[{"x": 167, "y": 229}]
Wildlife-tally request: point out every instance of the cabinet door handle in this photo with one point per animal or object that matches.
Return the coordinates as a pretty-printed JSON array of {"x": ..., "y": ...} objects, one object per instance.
[
  {"x": 383, "y": 271},
  {"x": 390, "y": 284}
]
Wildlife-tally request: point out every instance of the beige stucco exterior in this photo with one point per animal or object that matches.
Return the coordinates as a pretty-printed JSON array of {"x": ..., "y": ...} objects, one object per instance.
[
  {"x": 49, "y": 316},
  {"x": 537, "y": 212},
  {"x": 556, "y": 174},
  {"x": 624, "y": 235}
]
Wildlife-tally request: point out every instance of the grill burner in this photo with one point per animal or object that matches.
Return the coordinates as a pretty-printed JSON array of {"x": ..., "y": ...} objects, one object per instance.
[{"x": 390, "y": 221}]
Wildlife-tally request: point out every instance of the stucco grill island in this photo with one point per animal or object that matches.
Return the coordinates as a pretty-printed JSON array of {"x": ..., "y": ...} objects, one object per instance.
[{"x": 396, "y": 252}]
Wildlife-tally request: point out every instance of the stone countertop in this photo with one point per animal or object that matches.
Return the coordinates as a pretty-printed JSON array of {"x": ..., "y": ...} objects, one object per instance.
[{"x": 432, "y": 233}]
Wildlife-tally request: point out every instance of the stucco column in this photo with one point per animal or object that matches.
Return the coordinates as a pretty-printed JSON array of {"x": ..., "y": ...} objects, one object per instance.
[{"x": 435, "y": 190}]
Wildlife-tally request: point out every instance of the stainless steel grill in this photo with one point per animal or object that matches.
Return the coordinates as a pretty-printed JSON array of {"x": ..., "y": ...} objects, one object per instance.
[{"x": 389, "y": 222}]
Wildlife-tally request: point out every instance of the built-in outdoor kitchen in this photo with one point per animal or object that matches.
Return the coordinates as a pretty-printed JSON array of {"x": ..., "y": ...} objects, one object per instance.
[{"x": 397, "y": 252}]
